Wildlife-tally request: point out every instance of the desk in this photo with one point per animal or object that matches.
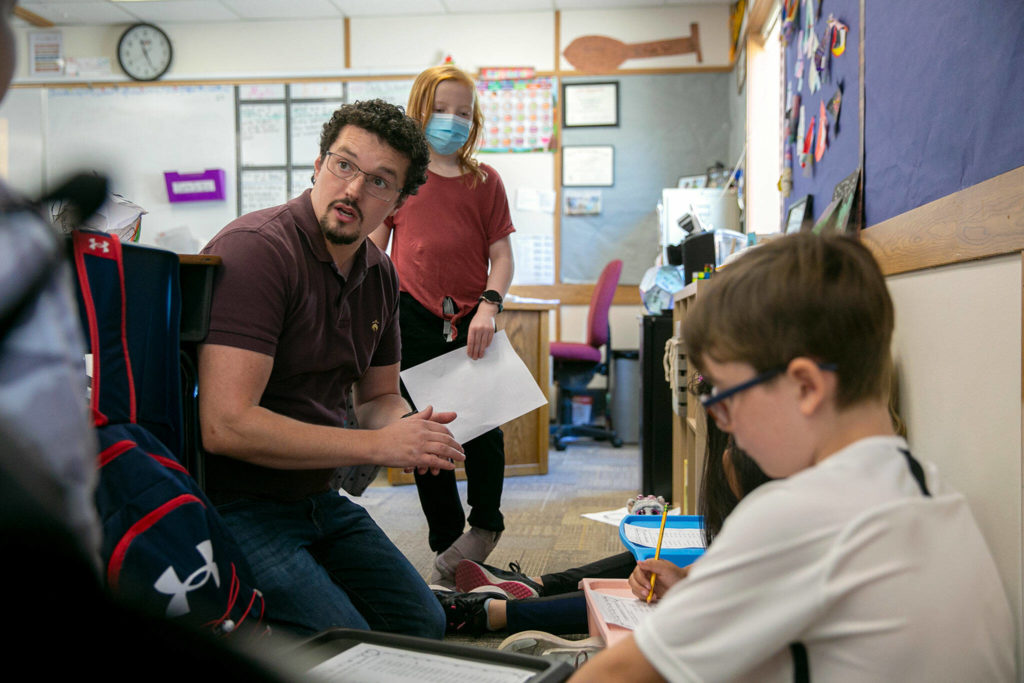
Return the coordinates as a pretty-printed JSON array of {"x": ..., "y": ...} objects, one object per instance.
[
  {"x": 195, "y": 274},
  {"x": 526, "y": 437}
]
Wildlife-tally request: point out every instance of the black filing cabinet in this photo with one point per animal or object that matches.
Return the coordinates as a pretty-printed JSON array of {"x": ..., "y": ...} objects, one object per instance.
[{"x": 655, "y": 408}]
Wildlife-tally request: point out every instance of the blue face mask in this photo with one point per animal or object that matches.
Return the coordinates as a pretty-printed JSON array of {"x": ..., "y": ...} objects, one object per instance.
[{"x": 446, "y": 133}]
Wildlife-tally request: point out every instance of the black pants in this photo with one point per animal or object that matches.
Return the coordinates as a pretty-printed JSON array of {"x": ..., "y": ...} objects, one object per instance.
[
  {"x": 613, "y": 567},
  {"x": 562, "y": 607},
  {"x": 422, "y": 340}
]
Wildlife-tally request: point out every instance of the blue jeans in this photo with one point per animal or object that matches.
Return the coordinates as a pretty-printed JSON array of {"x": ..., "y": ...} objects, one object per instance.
[{"x": 322, "y": 562}]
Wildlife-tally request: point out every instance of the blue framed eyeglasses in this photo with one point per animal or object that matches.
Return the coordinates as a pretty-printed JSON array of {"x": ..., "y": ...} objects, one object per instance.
[{"x": 719, "y": 410}]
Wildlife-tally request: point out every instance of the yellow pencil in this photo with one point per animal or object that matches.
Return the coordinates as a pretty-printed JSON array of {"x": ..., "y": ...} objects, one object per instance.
[{"x": 657, "y": 551}]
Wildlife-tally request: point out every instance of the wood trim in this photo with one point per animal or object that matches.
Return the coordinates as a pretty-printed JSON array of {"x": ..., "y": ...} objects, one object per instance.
[
  {"x": 983, "y": 220},
  {"x": 32, "y": 18},
  {"x": 725, "y": 68},
  {"x": 558, "y": 42},
  {"x": 256, "y": 80},
  {"x": 576, "y": 295},
  {"x": 200, "y": 259},
  {"x": 757, "y": 15},
  {"x": 556, "y": 144},
  {"x": 348, "y": 42},
  {"x": 543, "y": 373}
]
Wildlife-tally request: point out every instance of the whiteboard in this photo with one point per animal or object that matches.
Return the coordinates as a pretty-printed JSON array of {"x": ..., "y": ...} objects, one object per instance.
[
  {"x": 22, "y": 148},
  {"x": 307, "y": 124},
  {"x": 134, "y": 135},
  {"x": 261, "y": 129}
]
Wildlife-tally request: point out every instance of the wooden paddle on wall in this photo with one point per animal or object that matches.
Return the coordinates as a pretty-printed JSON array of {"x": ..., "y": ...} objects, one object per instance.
[{"x": 601, "y": 53}]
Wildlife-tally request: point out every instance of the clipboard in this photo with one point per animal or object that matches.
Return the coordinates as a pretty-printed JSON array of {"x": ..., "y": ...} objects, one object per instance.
[
  {"x": 451, "y": 660},
  {"x": 678, "y": 556}
]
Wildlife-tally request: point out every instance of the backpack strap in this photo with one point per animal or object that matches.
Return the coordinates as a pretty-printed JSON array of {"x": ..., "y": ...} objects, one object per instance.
[
  {"x": 99, "y": 267},
  {"x": 801, "y": 666},
  {"x": 917, "y": 472}
]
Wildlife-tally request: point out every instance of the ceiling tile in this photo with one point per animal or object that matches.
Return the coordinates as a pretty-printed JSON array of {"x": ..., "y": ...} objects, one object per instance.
[
  {"x": 391, "y": 8},
  {"x": 608, "y": 4},
  {"x": 277, "y": 9},
  {"x": 497, "y": 6},
  {"x": 76, "y": 13},
  {"x": 180, "y": 11}
]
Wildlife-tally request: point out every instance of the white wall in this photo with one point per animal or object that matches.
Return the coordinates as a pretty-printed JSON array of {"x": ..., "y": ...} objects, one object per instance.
[
  {"x": 958, "y": 349},
  {"x": 407, "y": 45},
  {"x": 401, "y": 44},
  {"x": 218, "y": 50}
]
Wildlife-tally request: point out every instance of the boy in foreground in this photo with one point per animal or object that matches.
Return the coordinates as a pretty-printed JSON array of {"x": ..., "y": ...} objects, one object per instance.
[{"x": 859, "y": 564}]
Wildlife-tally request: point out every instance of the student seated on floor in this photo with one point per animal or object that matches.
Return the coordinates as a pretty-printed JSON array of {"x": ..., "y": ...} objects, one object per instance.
[
  {"x": 510, "y": 600},
  {"x": 859, "y": 563}
]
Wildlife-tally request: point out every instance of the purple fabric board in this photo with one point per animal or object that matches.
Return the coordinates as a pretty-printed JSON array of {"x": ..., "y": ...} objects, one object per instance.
[
  {"x": 944, "y": 101},
  {"x": 842, "y": 156}
]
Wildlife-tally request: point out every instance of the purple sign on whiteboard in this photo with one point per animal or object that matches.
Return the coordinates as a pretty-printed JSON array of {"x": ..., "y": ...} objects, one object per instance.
[{"x": 194, "y": 187}]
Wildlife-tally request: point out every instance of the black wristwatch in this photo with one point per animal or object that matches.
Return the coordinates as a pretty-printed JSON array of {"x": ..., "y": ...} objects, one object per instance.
[{"x": 492, "y": 297}]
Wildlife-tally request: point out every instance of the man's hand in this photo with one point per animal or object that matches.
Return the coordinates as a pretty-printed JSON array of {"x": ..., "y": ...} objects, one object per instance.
[
  {"x": 422, "y": 442},
  {"x": 481, "y": 330},
  {"x": 668, "y": 576}
]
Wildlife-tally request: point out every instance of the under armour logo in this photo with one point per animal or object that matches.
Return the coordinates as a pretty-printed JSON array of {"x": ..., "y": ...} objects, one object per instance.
[
  {"x": 170, "y": 584},
  {"x": 95, "y": 244},
  {"x": 375, "y": 326}
]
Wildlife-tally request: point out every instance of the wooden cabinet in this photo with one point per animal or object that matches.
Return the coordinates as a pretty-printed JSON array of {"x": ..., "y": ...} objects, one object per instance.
[
  {"x": 526, "y": 437},
  {"x": 689, "y": 426}
]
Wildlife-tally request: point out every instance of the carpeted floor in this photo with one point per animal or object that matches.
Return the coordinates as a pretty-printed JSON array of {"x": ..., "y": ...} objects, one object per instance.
[{"x": 544, "y": 531}]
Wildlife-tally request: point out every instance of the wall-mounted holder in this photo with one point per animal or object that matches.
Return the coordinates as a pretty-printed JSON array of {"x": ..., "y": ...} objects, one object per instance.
[{"x": 195, "y": 187}]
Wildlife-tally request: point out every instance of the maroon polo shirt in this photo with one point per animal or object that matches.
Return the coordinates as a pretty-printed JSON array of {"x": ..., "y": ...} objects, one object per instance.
[{"x": 279, "y": 293}]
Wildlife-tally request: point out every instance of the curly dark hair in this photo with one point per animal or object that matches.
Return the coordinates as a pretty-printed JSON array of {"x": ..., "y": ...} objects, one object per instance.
[{"x": 388, "y": 122}]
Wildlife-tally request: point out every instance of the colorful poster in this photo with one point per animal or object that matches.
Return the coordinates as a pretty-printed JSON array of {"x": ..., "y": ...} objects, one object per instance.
[{"x": 518, "y": 115}]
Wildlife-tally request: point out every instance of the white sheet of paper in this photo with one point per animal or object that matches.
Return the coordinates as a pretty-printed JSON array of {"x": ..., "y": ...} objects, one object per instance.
[
  {"x": 674, "y": 538},
  {"x": 624, "y": 612},
  {"x": 614, "y": 517},
  {"x": 369, "y": 663},
  {"x": 484, "y": 393}
]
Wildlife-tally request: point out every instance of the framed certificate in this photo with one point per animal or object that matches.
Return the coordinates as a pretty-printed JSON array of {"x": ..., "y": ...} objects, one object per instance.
[
  {"x": 590, "y": 104},
  {"x": 588, "y": 166}
]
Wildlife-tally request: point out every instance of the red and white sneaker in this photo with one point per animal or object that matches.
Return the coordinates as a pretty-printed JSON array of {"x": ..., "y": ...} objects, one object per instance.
[{"x": 470, "y": 575}]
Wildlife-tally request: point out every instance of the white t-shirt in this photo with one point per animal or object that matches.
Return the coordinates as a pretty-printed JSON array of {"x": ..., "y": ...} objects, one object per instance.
[{"x": 878, "y": 581}]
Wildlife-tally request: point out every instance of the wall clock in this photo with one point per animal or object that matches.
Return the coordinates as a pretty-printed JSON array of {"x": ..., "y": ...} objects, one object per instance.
[{"x": 144, "y": 52}]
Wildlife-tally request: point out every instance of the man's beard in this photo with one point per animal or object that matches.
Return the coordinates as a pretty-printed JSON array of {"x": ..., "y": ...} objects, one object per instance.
[{"x": 333, "y": 235}]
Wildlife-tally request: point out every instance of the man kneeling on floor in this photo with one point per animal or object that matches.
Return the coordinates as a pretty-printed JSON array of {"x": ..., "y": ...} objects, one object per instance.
[{"x": 305, "y": 307}]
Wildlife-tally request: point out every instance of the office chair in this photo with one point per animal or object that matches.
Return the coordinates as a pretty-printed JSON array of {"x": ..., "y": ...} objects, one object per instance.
[{"x": 575, "y": 364}]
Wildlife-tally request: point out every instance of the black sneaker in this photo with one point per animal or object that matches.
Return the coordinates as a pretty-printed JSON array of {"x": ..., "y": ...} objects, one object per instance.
[
  {"x": 470, "y": 575},
  {"x": 466, "y": 613}
]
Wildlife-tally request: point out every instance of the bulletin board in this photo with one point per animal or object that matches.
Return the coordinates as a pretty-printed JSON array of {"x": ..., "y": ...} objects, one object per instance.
[
  {"x": 841, "y": 155},
  {"x": 945, "y": 96},
  {"x": 670, "y": 126},
  {"x": 944, "y": 88},
  {"x": 22, "y": 109}
]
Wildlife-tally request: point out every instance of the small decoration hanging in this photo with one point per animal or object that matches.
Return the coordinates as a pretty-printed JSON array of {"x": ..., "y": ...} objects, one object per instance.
[
  {"x": 837, "y": 31},
  {"x": 835, "y": 104},
  {"x": 819, "y": 147}
]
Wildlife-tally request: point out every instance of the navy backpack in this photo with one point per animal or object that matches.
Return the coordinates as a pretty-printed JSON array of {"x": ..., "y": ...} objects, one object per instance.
[{"x": 165, "y": 549}]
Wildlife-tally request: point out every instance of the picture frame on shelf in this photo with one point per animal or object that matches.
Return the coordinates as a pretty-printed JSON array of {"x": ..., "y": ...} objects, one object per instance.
[{"x": 799, "y": 217}]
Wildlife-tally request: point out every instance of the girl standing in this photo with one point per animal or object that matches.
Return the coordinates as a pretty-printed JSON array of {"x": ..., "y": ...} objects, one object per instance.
[{"x": 453, "y": 254}]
